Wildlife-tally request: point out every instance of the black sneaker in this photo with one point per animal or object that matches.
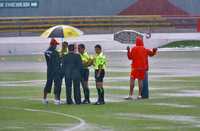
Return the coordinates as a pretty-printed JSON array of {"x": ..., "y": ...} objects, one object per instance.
[
  {"x": 86, "y": 101},
  {"x": 102, "y": 102},
  {"x": 78, "y": 103},
  {"x": 70, "y": 102},
  {"x": 99, "y": 103}
]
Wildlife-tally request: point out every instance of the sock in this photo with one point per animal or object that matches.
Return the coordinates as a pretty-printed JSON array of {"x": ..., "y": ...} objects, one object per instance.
[
  {"x": 102, "y": 94},
  {"x": 99, "y": 93},
  {"x": 87, "y": 94}
]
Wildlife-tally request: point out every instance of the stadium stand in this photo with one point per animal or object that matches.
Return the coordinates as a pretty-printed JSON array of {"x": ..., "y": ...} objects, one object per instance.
[{"x": 87, "y": 24}]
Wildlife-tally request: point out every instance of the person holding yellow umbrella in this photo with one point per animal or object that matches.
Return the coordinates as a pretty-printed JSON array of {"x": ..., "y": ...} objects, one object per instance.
[
  {"x": 62, "y": 31},
  {"x": 53, "y": 72}
]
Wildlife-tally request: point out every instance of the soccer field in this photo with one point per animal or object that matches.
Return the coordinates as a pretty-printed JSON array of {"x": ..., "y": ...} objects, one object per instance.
[{"x": 173, "y": 105}]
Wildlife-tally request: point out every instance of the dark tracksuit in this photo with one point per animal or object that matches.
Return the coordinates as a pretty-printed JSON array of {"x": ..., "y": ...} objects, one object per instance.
[
  {"x": 72, "y": 66},
  {"x": 62, "y": 74},
  {"x": 53, "y": 70},
  {"x": 84, "y": 77}
]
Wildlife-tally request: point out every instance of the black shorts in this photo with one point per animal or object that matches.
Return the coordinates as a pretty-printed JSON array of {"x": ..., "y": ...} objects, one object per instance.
[
  {"x": 100, "y": 77},
  {"x": 85, "y": 74}
]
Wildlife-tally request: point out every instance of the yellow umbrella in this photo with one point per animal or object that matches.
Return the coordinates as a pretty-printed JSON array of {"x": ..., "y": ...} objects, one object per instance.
[{"x": 62, "y": 31}]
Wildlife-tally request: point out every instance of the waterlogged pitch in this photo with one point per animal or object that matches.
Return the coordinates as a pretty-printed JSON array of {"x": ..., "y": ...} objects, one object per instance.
[{"x": 174, "y": 105}]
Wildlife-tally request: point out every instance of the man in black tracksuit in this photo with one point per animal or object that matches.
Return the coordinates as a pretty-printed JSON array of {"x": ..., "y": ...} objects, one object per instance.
[
  {"x": 72, "y": 66},
  {"x": 53, "y": 72},
  {"x": 62, "y": 53}
]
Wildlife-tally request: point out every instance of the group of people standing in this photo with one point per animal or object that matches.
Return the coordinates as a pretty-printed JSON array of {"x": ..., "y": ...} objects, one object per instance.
[{"x": 72, "y": 64}]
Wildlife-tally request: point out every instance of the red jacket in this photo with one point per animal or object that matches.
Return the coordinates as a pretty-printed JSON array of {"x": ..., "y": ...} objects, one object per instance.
[{"x": 139, "y": 55}]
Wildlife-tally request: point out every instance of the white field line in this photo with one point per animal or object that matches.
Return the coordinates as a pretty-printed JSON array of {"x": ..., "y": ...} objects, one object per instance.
[
  {"x": 81, "y": 124},
  {"x": 11, "y": 127},
  {"x": 184, "y": 93},
  {"x": 21, "y": 83},
  {"x": 109, "y": 79},
  {"x": 41, "y": 83},
  {"x": 91, "y": 87},
  {"x": 174, "y": 105},
  {"x": 16, "y": 82}
]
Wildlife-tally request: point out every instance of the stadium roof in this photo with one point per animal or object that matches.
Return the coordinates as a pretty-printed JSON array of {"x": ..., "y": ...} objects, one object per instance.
[{"x": 153, "y": 7}]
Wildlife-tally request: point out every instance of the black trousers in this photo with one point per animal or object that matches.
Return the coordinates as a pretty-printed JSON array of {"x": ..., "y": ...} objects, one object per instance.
[
  {"x": 76, "y": 86},
  {"x": 53, "y": 77},
  {"x": 84, "y": 78},
  {"x": 58, "y": 92}
]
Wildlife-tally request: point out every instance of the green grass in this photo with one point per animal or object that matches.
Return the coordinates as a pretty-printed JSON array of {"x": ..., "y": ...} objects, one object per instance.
[
  {"x": 106, "y": 117},
  {"x": 182, "y": 44},
  {"x": 21, "y": 118},
  {"x": 31, "y": 58},
  {"x": 21, "y": 76},
  {"x": 21, "y": 108}
]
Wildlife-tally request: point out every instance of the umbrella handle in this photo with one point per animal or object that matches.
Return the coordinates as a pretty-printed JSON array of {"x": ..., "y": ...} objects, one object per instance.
[{"x": 148, "y": 35}]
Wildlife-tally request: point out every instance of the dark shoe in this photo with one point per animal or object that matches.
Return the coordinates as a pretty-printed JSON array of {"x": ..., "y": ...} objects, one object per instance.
[
  {"x": 102, "y": 102},
  {"x": 86, "y": 101},
  {"x": 99, "y": 103},
  {"x": 78, "y": 103},
  {"x": 70, "y": 102},
  {"x": 146, "y": 97},
  {"x": 45, "y": 101}
]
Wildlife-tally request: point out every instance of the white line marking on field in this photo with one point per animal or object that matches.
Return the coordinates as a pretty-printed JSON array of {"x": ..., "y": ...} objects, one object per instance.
[
  {"x": 184, "y": 93},
  {"x": 78, "y": 126},
  {"x": 174, "y": 105},
  {"x": 11, "y": 127},
  {"x": 20, "y": 81}
]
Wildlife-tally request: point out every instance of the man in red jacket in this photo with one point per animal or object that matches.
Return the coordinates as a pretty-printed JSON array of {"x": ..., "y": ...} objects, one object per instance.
[{"x": 139, "y": 56}]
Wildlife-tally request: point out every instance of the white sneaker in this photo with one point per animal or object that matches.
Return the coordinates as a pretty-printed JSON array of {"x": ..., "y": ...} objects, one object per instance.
[
  {"x": 139, "y": 97},
  {"x": 45, "y": 101},
  {"x": 57, "y": 102},
  {"x": 129, "y": 98}
]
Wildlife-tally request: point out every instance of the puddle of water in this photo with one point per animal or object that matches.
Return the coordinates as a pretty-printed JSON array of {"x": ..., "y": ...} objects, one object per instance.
[{"x": 174, "y": 118}]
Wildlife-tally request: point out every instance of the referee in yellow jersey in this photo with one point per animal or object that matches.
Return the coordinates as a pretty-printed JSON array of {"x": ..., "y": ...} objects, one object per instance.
[
  {"x": 99, "y": 63},
  {"x": 87, "y": 61}
]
